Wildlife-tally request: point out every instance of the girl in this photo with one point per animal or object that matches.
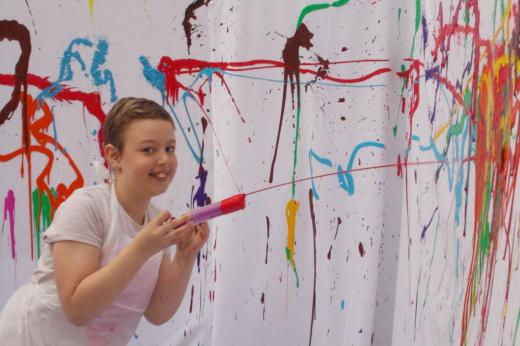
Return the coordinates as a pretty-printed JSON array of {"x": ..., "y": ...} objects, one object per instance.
[{"x": 105, "y": 260}]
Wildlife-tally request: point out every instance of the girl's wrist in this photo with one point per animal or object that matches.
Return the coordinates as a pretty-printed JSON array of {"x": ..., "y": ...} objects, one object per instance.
[{"x": 184, "y": 257}]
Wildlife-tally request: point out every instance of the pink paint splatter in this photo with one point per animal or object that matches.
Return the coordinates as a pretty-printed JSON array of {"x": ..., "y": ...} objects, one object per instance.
[{"x": 9, "y": 210}]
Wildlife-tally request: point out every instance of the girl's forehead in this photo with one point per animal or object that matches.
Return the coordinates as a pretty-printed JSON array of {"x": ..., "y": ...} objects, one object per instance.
[{"x": 152, "y": 128}]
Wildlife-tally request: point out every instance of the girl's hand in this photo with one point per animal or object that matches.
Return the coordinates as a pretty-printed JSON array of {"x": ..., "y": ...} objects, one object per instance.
[
  {"x": 161, "y": 232},
  {"x": 190, "y": 245}
]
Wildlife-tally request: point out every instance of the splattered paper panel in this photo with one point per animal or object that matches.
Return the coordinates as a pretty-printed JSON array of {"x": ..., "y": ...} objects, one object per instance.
[{"x": 377, "y": 143}]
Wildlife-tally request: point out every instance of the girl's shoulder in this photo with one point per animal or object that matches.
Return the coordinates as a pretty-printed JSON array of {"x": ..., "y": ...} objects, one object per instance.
[{"x": 91, "y": 194}]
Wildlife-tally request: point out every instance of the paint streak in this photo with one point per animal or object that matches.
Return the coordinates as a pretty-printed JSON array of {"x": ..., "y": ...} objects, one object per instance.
[
  {"x": 342, "y": 304},
  {"x": 191, "y": 298},
  {"x": 262, "y": 300},
  {"x": 9, "y": 209},
  {"x": 361, "y": 249},
  {"x": 335, "y": 236},
  {"x": 102, "y": 77},
  {"x": 291, "y": 210},
  {"x": 42, "y": 215},
  {"x": 423, "y": 234},
  {"x": 313, "y": 219},
  {"x": 72, "y": 54},
  {"x": 31, "y": 15},
  {"x": 268, "y": 222},
  {"x": 91, "y": 8},
  {"x": 189, "y": 14},
  {"x": 13, "y": 31},
  {"x": 316, "y": 7},
  {"x": 291, "y": 57},
  {"x": 39, "y": 119}
]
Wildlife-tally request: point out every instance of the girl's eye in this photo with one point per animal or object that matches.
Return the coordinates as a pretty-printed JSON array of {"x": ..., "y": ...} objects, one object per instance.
[
  {"x": 148, "y": 150},
  {"x": 170, "y": 149}
]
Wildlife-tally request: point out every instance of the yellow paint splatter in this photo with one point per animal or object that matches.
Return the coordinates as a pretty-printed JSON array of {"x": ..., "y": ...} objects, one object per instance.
[
  {"x": 91, "y": 7},
  {"x": 291, "y": 210}
]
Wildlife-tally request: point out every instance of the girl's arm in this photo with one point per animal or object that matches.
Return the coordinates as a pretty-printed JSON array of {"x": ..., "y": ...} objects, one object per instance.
[
  {"x": 174, "y": 277},
  {"x": 85, "y": 289}
]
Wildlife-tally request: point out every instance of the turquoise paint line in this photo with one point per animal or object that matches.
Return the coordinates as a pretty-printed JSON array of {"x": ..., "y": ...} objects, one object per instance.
[
  {"x": 184, "y": 103},
  {"x": 436, "y": 153},
  {"x": 54, "y": 130},
  {"x": 346, "y": 180},
  {"x": 279, "y": 81},
  {"x": 69, "y": 55},
  {"x": 65, "y": 70},
  {"x": 323, "y": 161},
  {"x": 102, "y": 77},
  {"x": 153, "y": 76},
  {"x": 193, "y": 153}
]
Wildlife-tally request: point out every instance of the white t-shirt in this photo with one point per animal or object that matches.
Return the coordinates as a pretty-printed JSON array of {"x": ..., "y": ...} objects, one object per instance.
[{"x": 34, "y": 316}]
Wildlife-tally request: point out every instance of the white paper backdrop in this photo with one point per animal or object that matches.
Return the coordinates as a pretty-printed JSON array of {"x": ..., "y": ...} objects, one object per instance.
[{"x": 406, "y": 113}]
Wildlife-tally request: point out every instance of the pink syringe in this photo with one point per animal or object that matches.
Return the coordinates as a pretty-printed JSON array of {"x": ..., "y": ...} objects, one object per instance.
[{"x": 226, "y": 206}]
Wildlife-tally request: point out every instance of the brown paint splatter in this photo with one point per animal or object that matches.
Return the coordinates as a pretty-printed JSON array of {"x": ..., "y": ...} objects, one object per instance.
[
  {"x": 267, "y": 242},
  {"x": 335, "y": 236},
  {"x": 291, "y": 74},
  {"x": 191, "y": 300},
  {"x": 14, "y": 31},
  {"x": 189, "y": 14},
  {"x": 361, "y": 249}
]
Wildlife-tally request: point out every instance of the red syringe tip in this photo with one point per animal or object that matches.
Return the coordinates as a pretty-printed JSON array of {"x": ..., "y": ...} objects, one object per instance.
[{"x": 233, "y": 203}]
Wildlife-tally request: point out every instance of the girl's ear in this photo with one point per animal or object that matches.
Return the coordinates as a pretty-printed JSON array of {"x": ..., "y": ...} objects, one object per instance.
[{"x": 112, "y": 155}]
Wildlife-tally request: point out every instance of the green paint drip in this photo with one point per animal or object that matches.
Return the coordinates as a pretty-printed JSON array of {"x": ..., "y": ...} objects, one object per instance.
[
  {"x": 42, "y": 215},
  {"x": 316, "y": 7},
  {"x": 394, "y": 130},
  {"x": 295, "y": 154},
  {"x": 291, "y": 261},
  {"x": 516, "y": 327},
  {"x": 417, "y": 24}
]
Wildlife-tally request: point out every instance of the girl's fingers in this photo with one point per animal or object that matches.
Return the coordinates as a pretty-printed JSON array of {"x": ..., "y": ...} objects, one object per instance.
[
  {"x": 180, "y": 221},
  {"x": 176, "y": 235},
  {"x": 162, "y": 217}
]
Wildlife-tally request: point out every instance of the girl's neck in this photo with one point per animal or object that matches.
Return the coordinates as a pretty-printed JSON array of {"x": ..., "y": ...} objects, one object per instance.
[{"x": 134, "y": 205}]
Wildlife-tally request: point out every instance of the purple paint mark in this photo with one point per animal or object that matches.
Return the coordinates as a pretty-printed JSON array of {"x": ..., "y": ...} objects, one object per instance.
[
  {"x": 201, "y": 197},
  {"x": 428, "y": 225},
  {"x": 424, "y": 32},
  {"x": 9, "y": 203}
]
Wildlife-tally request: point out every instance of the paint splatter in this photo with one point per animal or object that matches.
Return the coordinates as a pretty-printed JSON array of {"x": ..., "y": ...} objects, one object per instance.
[
  {"x": 189, "y": 14},
  {"x": 9, "y": 211}
]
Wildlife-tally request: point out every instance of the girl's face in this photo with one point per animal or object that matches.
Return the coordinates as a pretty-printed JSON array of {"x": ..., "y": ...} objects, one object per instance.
[{"x": 147, "y": 163}]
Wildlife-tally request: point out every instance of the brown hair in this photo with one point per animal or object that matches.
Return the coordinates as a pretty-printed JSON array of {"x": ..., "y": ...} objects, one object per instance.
[{"x": 126, "y": 110}]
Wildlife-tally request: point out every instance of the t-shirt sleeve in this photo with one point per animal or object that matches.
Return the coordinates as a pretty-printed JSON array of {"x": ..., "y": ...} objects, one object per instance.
[{"x": 76, "y": 219}]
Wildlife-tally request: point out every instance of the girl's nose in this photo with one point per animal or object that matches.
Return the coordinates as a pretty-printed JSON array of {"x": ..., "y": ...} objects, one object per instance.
[{"x": 162, "y": 157}]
